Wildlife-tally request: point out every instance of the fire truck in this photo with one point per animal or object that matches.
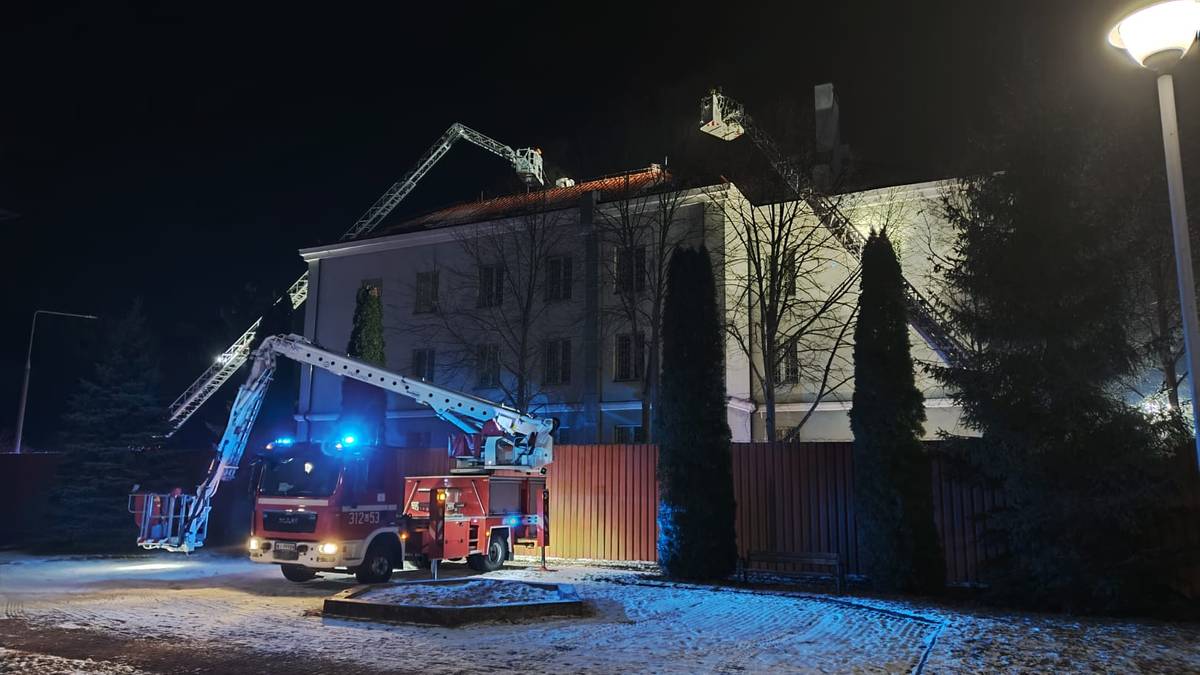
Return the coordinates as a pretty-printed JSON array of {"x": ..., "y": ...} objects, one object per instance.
[{"x": 341, "y": 505}]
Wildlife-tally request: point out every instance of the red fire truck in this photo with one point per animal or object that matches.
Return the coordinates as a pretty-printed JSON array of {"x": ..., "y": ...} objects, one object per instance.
[{"x": 342, "y": 506}]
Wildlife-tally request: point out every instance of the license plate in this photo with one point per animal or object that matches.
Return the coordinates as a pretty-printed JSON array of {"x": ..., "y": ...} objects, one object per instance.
[{"x": 286, "y": 551}]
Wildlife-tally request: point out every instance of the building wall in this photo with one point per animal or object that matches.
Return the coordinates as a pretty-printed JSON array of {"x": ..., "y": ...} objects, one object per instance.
[
  {"x": 910, "y": 216},
  {"x": 594, "y": 403}
]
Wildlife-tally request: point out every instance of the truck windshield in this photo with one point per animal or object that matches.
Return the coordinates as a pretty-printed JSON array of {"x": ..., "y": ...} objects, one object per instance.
[{"x": 301, "y": 476}]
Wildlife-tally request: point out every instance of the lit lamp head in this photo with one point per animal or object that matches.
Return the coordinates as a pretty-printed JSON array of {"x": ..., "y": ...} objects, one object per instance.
[{"x": 1158, "y": 35}]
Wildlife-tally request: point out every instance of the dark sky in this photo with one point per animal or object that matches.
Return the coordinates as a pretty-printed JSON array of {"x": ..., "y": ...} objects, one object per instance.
[{"x": 176, "y": 152}]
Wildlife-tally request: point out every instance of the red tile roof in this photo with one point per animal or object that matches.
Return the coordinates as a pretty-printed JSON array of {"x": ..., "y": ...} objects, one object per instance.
[{"x": 549, "y": 199}]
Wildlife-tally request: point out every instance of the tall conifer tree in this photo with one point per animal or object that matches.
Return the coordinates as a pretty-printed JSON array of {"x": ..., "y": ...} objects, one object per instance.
[
  {"x": 898, "y": 541},
  {"x": 113, "y": 423},
  {"x": 696, "y": 507},
  {"x": 364, "y": 406},
  {"x": 1041, "y": 253}
]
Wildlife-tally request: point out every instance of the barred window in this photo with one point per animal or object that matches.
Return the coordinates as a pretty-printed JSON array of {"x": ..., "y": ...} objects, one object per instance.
[
  {"x": 558, "y": 278},
  {"x": 628, "y": 433},
  {"x": 631, "y": 269},
  {"x": 426, "y": 293},
  {"x": 556, "y": 362},
  {"x": 491, "y": 286},
  {"x": 630, "y": 357},
  {"x": 787, "y": 369},
  {"x": 423, "y": 364},
  {"x": 487, "y": 365}
]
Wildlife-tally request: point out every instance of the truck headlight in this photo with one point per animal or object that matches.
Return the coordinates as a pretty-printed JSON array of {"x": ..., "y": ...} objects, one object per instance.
[
  {"x": 327, "y": 548},
  {"x": 254, "y": 544}
]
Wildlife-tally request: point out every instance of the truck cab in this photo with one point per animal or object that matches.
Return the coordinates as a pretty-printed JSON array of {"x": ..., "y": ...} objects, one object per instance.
[{"x": 328, "y": 507}]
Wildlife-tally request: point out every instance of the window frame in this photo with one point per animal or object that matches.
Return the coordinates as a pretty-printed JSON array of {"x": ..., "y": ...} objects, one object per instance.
[
  {"x": 637, "y": 362},
  {"x": 636, "y": 432},
  {"x": 558, "y": 278},
  {"x": 428, "y": 363},
  {"x": 787, "y": 371},
  {"x": 491, "y": 294},
  {"x": 556, "y": 361},
  {"x": 630, "y": 282},
  {"x": 422, "y": 304},
  {"x": 492, "y": 360}
]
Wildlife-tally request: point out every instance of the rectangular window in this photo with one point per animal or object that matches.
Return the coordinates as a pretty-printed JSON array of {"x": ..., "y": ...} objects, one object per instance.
[
  {"x": 630, "y": 357},
  {"x": 788, "y": 271},
  {"x": 787, "y": 370},
  {"x": 422, "y": 364},
  {"x": 558, "y": 278},
  {"x": 631, "y": 269},
  {"x": 487, "y": 366},
  {"x": 426, "y": 293},
  {"x": 628, "y": 433},
  {"x": 557, "y": 362},
  {"x": 491, "y": 286}
]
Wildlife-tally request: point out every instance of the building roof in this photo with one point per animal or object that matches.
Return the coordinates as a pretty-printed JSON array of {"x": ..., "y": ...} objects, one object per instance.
[{"x": 551, "y": 199}]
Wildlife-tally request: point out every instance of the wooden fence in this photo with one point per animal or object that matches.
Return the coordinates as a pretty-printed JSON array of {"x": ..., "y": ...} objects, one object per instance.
[
  {"x": 603, "y": 502},
  {"x": 791, "y": 497},
  {"x": 958, "y": 509}
]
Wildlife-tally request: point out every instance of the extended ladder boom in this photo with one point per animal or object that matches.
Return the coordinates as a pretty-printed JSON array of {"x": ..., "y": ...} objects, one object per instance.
[
  {"x": 526, "y": 441},
  {"x": 527, "y": 162},
  {"x": 727, "y": 119}
]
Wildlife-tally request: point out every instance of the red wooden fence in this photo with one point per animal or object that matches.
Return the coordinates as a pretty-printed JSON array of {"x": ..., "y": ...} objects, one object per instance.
[
  {"x": 603, "y": 500},
  {"x": 795, "y": 498},
  {"x": 958, "y": 510},
  {"x": 791, "y": 497}
]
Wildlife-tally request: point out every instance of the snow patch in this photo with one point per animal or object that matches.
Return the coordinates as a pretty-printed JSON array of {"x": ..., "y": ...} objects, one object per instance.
[
  {"x": 473, "y": 592},
  {"x": 13, "y": 661}
]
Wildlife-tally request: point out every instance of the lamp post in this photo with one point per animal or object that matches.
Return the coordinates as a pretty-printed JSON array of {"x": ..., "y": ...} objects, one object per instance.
[
  {"x": 1157, "y": 36},
  {"x": 28, "y": 366}
]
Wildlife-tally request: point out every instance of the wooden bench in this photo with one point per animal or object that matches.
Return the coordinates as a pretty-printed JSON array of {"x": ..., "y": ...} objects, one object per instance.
[{"x": 831, "y": 560}]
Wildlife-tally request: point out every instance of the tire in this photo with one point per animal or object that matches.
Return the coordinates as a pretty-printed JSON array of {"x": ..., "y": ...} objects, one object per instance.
[
  {"x": 497, "y": 553},
  {"x": 376, "y": 566},
  {"x": 297, "y": 573}
]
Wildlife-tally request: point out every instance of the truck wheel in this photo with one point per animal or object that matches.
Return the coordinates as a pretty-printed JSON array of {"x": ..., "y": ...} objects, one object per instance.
[
  {"x": 376, "y": 566},
  {"x": 497, "y": 553},
  {"x": 297, "y": 573}
]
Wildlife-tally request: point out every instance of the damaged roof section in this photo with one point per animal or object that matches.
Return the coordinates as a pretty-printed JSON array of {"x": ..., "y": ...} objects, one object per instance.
[{"x": 635, "y": 182}]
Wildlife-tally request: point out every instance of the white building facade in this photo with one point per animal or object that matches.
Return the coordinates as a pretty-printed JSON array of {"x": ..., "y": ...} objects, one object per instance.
[{"x": 534, "y": 301}]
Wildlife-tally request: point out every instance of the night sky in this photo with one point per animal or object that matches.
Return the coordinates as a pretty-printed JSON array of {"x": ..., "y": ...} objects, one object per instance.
[{"x": 178, "y": 152}]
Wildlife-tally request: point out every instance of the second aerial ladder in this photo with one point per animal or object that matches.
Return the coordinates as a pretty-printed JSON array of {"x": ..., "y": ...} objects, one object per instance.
[
  {"x": 527, "y": 162},
  {"x": 724, "y": 118}
]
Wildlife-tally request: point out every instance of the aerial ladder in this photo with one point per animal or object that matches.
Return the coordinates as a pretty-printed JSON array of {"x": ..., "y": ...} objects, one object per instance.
[
  {"x": 527, "y": 162},
  {"x": 726, "y": 119},
  {"x": 512, "y": 439}
]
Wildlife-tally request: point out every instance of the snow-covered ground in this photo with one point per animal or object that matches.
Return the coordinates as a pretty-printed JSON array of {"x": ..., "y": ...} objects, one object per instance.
[
  {"x": 221, "y": 614},
  {"x": 13, "y": 661},
  {"x": 459, "y": 594}
]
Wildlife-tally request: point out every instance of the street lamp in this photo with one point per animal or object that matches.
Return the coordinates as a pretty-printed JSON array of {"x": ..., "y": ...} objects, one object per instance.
[
  {"x": 1157, "y": 36},
  {"x": 28, "y": 364}
]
